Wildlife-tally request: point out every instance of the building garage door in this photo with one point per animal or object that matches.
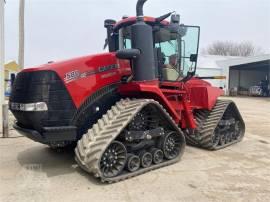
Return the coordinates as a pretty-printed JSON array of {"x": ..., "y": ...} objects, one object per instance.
[{"x": 244, "y": 76}]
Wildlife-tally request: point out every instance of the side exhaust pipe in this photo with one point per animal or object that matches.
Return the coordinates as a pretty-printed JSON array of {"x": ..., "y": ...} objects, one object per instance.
[
  {"x": 142, "y": 39},
  {"x": 142, "y": 52},
  {"x": 139, "y": 9}
]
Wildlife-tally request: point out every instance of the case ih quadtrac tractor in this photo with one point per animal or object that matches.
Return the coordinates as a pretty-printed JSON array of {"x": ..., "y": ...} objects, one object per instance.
[{"x": 130, "y": 110}]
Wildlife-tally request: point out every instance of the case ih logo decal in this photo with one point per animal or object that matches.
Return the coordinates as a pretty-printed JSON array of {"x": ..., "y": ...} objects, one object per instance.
[
  {"x": 76, "y": 74},
  {"x": 71, "y": 76}
]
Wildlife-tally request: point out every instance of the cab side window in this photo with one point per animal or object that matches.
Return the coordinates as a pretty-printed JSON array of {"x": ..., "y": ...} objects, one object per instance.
[{"x": 170, "y": 51}]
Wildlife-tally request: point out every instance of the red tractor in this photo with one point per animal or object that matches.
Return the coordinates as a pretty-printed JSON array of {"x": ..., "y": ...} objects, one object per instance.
[{"x": 130, "y": 110}]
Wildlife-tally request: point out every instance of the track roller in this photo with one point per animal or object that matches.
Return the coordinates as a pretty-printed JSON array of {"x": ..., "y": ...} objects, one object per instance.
[
  {"x": 133, "y": 163},
  {"x": 146, "y": 159},
  {"x": 157, "y": 155}
]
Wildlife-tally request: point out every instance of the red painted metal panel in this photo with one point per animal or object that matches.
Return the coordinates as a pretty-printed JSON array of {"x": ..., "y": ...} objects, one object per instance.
[
  {"x": 202, "y": 94},
  {"x": 83, "y": 76},
  {"x": 149, "y": 89}
]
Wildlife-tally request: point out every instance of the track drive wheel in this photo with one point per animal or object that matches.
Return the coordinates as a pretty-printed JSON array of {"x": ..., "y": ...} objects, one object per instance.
[
  {"x": 114, "y": 159},
  {"x": 171, "y": 144}
]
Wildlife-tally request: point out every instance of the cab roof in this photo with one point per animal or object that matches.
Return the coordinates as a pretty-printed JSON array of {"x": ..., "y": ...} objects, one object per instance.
[{"x": 131, "y": 20}]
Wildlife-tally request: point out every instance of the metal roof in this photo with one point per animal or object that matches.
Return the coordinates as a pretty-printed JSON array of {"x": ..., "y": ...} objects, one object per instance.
[
  {"x": 244, "y": 60},
  {"x": 212, "y": 61}
]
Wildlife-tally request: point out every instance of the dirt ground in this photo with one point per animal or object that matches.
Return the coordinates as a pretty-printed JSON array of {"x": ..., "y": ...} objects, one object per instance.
[{"x": 30, "y": 171}]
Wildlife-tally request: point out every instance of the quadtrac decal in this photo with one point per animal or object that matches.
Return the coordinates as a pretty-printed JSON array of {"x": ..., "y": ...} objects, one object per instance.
[{"x": 76, "y": 74}]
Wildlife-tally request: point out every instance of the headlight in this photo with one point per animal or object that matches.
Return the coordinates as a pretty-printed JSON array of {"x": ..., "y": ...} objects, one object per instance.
[{"x": 29, "y": 107}]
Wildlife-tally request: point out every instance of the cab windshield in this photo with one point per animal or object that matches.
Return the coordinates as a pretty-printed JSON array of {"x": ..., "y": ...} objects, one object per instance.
[{"x": 176, "y": 50}]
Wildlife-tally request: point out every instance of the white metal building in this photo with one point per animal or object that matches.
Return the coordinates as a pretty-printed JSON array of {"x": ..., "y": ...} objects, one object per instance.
[{"x": 240, "y": 72}]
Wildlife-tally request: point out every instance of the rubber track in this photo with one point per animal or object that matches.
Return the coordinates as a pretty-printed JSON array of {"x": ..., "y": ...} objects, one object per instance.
[
  {"x": 93, "y": 144},
  {"x": 207, "y": 122},
  {"x": 200, "y": 117}
]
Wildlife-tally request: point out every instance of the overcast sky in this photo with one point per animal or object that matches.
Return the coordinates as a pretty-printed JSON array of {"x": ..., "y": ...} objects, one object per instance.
[{"x": 62, "y": 29}]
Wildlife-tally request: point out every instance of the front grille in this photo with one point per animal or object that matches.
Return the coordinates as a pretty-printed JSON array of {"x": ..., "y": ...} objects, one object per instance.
[{"x": 42, "y": 86}]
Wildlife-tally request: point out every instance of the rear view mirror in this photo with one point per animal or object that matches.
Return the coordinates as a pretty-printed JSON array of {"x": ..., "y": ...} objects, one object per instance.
[
  {"x": 128, "y": 54},
  {"x": 182, "y": 31},
  {"x": 193, "y": 58},
  {"x": 109, "y": 23},
  {"x": 173, "y": 28}
]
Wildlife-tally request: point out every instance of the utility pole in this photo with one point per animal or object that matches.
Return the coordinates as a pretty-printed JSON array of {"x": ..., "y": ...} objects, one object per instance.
[
  {"x": 21, "y": 34},
  {"x": 2, "y": 58}
]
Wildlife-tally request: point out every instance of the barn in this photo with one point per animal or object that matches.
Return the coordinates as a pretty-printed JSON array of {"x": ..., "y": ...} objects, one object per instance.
[{"x": 241, "y": 73}]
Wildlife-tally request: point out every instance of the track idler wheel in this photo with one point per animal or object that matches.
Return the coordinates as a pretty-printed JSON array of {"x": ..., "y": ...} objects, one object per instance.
[
  {"x": 113, "y": 159},
  {"x": 133, "y": 163},
  {"x": 157, "y": 155},
  {"x": 146, "y": 159},
  {"x": 171, "y": 145}
]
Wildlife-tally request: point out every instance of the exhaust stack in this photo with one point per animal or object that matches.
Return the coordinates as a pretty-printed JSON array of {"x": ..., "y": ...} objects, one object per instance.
[
  {"x": 139, "y": 9},
  {"x": 142, "y": 39}
]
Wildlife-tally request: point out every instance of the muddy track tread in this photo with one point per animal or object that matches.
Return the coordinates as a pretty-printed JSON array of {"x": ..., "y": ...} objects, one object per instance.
[
  {"x": 206, "y": 127},
  {"x": 93, "y": 144}
]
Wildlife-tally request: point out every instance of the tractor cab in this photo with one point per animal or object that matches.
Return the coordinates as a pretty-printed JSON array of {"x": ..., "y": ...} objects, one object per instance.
[{"x": 175, "y": 45}]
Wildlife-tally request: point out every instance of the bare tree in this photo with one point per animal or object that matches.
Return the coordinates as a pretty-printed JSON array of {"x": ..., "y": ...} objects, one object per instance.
[{"x": 228, "y": 48}]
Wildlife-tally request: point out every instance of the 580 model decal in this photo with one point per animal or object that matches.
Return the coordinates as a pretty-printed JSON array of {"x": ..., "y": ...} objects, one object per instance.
[{"x": 76, "y": 74}]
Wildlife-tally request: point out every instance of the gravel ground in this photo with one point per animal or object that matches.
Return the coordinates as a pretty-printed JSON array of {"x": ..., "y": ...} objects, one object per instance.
[{"x": 30, "y": 171}]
